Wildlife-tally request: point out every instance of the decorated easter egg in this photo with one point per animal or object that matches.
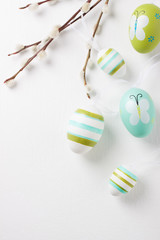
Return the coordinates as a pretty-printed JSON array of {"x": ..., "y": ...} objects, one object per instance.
[
  {"x": 85, "y": 129},
  {"x": 122, "y": 181},
  {"x": 111, "y": 62},
  {"x": 137, "y": 112},
  {"x": 144, "y": 29}
]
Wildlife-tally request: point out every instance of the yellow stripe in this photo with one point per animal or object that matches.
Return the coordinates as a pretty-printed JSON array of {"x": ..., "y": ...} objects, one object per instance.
[
  {"x": 139, "y": 111},
  {"x": 90, "y": 114},
  {"x": 126, "y": 174},
  {"x": 81, "y": 140},
  {"x": 123, "y": 180},
  {"x": 106, "y": 53}
]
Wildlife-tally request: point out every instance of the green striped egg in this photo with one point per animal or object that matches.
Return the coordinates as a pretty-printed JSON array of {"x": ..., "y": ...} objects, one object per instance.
[
  {"x": 111, "y": 62},
  {"x": 122, "y": 181},
  {"x": 85, "y": 129}
]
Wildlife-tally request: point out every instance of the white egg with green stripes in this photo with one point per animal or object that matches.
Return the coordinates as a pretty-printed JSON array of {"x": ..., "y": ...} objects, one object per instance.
[
  {"x": 122, "y": 181},
  {"x": 111, "y": 62},
  {"x": 85, "y": 129}
]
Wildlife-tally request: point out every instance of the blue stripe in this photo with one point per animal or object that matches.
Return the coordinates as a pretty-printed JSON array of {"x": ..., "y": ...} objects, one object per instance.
[
  {"x": 136, "y": 25},
  {"x": 110, "y": 60},
  {"x": 83, "y": 137},
  {"x": 89, "y": 117},
  {"x": 115, "y": 186},
  {"x": 86, "y": 127},
  {"x": 116, "y": 66},
  {"x": 128, "y": 172}
]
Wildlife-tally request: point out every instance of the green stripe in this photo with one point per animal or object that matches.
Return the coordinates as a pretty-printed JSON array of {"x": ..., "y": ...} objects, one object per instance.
[
  {"x": 127, "y": 173},
  {"x": 77, "y": 135},
  {"x": 106, "y": 53},
  {"x": 90, "y": 114},
  {"x": 123, "y": 180},
  {"x": 81, "y": 140},
  {"x": 118, "y": 186},
  {"x": 117, "y": 68}
]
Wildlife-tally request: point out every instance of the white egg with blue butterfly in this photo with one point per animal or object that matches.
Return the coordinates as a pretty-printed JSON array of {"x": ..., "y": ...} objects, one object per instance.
[
  {"x": 122, "y": 181},
  {"x": 85, "y": 129},
  {"x": 111, "y": 62},
  {"x": 137, "y": 112}
]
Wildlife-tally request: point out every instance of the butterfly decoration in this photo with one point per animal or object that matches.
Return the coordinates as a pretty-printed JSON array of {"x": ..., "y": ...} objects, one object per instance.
[
  {"x": 138, "y": 22},
  {"x": 138, "y": 108}
]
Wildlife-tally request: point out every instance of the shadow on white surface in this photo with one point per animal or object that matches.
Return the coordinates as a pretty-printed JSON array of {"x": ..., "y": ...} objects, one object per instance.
[
  {"x": 154, "y": 137},
  {"x": 100, "y": 152},
  {"x": 136, "y": 195}
]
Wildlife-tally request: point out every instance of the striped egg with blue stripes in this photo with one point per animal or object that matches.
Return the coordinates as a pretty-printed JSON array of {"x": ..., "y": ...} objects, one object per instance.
[
  {"x": 85, "y": 129},
  {"x": 111, "y": 62},
  {"x": 122, "y": 181}
]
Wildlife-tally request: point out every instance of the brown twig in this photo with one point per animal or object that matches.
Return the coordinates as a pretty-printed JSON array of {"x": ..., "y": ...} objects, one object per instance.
[
  {"x": 42, "y": 2},
  {"x": 39, "y": 3},
  {"x": 67, "y": 24},
  {"x": 89, "y": 51},
  {"x": 93, "y": 6},
  {"x": 64, "y": 26},
  {"x": 29, "y": 60},
  {"x": 24, "y": 48}
]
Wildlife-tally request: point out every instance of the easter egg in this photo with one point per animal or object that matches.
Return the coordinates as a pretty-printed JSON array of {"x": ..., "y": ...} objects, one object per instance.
[
  {"x": 122, "y": 181},
  {"x": 85, "y": 129},
  {"x": 144, "y": 29},
  {"x": 111, "y": 62},
  {"x": 137, "y": 112}
]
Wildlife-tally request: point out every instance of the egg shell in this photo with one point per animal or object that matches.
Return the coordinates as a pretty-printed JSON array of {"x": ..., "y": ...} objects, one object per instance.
[
  {"x": 137, "y": 112},
  {"x": 111, "y": 62},
  {"x": 144, "y": 28},
  {"x": 122, "y": 181},
  {"x": 85, "y": 129}
]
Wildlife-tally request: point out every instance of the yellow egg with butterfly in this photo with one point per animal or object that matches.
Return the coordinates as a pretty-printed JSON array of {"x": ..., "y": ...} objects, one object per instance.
[{"x": 144, "y": 28}]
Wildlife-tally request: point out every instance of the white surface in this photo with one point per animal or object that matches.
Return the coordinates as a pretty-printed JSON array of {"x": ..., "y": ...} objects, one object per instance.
[{"x": 46, "y": 191}]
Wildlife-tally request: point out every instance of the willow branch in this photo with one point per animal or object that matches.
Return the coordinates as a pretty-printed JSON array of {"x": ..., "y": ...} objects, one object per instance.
[
  {"x": 24, "y": 48},
  {"x": 84, "y": 14},
  {"x": 38, "y": 3},
  {"x": 42, "y": 2},
  {"x": 90, "y": 50},
  {"x": 67, "y": 24},
  {"x": 63, "y": 27}
]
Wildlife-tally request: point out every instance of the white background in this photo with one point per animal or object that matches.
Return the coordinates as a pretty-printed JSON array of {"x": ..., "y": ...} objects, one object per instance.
[{"x": 46, "y": 191}]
